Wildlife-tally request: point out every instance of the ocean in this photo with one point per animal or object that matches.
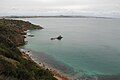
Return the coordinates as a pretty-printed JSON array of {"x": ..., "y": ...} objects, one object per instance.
[{"x": 90, "y": 46}]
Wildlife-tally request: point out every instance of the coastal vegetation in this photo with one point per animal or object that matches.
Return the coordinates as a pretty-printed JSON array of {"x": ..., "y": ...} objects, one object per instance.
[{"x": 16, "y": 65}]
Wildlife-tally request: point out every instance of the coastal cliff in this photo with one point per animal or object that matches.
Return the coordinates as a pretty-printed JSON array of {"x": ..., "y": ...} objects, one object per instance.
[{"x": 15, "y": 65}]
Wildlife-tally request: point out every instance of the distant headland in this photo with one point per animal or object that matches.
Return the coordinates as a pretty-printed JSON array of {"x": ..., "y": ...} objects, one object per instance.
[{"x": 56, "y": 16}]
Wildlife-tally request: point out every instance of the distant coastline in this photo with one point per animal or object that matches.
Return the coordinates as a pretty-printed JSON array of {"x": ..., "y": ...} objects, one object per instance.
[{"x": 56, "y": 16}]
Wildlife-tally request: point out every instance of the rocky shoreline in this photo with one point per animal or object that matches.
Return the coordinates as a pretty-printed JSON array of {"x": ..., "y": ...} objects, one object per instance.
[
  {"x": 16, "y": 65},
  {"x": 29, "y": 54},
  {"x": 57, "y": 73}
]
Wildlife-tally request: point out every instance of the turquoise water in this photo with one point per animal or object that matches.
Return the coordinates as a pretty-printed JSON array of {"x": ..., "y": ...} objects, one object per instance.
[{"x": 90, "y": 46}]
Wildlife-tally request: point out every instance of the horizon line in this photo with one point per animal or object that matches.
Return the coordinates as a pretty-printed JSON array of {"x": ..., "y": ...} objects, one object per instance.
[{"x": 57, "y": 16}]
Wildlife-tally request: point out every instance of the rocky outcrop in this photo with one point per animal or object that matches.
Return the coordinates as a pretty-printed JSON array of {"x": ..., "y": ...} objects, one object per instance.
[
  {"x": 15, "y": 30},
  {"x": 15, "y": 65}
]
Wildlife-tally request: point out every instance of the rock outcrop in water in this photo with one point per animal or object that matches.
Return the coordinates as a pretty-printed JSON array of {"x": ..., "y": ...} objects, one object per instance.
[{"x": 15, "y": 65}]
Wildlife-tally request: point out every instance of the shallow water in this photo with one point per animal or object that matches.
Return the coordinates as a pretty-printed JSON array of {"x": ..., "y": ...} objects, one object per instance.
[{"x": 90, "y": 46}]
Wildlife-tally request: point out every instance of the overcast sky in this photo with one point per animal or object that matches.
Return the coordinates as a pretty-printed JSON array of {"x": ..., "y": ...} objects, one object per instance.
[{"x": 51, "y": 6}]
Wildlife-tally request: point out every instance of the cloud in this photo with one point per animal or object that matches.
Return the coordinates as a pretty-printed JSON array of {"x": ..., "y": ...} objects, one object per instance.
[{"x": 49, "y": 5}]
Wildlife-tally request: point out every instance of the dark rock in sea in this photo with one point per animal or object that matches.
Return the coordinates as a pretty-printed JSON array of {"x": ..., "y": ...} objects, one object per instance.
[
  {"x": 58, "y": 38},
  {"x": 31, "y": 35}
]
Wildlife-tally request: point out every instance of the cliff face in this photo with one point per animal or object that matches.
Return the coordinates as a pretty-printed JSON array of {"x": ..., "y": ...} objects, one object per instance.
[
  {"x": 15, "y": 65},
  {"x": 14, "y": 30}
]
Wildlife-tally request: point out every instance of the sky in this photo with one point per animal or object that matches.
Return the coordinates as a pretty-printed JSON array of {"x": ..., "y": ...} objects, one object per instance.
[{"x": 57, "y": 7}]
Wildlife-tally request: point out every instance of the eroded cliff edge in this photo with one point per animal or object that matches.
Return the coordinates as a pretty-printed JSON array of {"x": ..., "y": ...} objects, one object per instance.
[{"x": 15, "y": 65}]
